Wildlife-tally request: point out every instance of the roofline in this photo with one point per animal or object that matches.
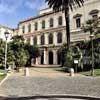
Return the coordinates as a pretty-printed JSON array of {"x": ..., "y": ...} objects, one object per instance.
[
  {"x": 45, "y": 8},
  {"x": 6, "y": 27},
  {"x": 45, "y": 14}
]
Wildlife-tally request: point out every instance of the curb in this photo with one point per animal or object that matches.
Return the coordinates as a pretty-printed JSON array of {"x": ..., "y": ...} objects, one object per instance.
[{"x": 4, "y": 79}]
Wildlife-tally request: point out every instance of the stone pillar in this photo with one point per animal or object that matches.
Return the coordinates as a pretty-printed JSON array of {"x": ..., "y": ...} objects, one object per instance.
[
  {"x": 39, "y": 60},
  {"x": 36, "y": 61},
  {"x": 31, "y": 40},
  {"x": 55, "y": 38},
  {"x": 25, "y": 41},
  {"x": 45, "y": 56},
  {"x": 46, "y": 38},
  {"x": 55, "y": 57},
  {"x": 38, "y": 40},
  {"x": 64, "y": 37}
]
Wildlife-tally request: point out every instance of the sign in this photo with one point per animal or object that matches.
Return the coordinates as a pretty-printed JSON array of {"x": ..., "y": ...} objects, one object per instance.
[{"x": 76, "y": 61}]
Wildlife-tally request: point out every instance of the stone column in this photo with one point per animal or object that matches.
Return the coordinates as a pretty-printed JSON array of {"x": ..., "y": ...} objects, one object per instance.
[
  {"x": 46, "y": 38},
  {"x": 55, "y": 57},
  {"x": 38, "y": 40},
  {"x": 64, "y": 37},
  {"x": 39, "y": 60},
  {"x": 31, "y": 40},
  {"x": 55, "y": 38},
  {"x": 36, "y": 61},
  {"x": 25, "y": 41},
  {"x": 45, "y": 56}
]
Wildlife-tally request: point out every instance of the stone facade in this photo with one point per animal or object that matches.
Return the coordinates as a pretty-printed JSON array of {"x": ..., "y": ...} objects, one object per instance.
[{"x": 47, "y": 30}]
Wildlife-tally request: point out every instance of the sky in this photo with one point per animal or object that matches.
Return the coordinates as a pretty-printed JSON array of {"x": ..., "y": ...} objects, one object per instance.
[{"x": 14, "y": 11}]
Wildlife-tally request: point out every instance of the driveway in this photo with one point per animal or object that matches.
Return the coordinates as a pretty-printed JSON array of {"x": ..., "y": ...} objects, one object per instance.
[{"x": 42, "y": 84}]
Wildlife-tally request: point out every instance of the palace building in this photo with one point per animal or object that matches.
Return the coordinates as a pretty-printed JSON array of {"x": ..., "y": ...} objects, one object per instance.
[{"x": 47, "y": 30}]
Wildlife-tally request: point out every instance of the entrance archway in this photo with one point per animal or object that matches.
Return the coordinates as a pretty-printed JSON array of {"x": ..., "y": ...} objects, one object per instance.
[
  {"x": 59, "y": 58},
  {"x": 42, "y": 58},
  {"x": 50, "y": 57}
]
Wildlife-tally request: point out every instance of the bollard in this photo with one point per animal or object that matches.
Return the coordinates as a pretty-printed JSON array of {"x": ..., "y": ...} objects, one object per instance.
[
  {"x": 26, "y": 71},
  {"x": 71, "y": 72}
]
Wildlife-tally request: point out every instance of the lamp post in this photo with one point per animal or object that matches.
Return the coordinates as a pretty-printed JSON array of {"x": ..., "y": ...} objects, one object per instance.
[
  {"x": 6, "y": 37},
  {"x": 92, "y": 70},
  {"x": 76, "y": 63}
]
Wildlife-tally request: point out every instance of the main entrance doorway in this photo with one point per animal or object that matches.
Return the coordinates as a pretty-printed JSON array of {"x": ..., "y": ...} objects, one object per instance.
[
  {"x": 59, "y": 58},
  {"x": 42, "y": 58},
  {"x": 50, "y": 57}
]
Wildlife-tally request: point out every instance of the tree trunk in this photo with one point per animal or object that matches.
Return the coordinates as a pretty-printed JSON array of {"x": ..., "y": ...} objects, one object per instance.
[{"x": 67, "y": 19}]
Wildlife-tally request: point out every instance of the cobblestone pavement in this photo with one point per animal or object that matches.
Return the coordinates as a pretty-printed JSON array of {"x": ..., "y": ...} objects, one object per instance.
[{"x": 18, "y": 85}]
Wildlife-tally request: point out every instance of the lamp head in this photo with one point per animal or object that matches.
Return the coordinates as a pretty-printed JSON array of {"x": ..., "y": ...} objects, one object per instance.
[
  {"x": 6, "y": 34},
  {"x": 92, "y": 35}
]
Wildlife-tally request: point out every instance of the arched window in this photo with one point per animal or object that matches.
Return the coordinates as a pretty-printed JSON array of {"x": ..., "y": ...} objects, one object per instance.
[
  {"x": 23, "y": 29},
  {"x": 29, "y": 28},
  {"x": 50, "y": 39},
  {"x": 51, "y": 22},
  {"x": 59, "y": 37},
  {"x": 36, "y": 26},
  {"x": 42, "y": 40},
  {"x": 43, "y": 24},
  {"x": 60, "y": 20},
  {"x": 35, "y": 40}
]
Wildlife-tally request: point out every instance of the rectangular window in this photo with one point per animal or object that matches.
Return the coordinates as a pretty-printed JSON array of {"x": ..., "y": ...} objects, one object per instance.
[
  {"x": 23, "y": 29},
  {"x": 36, "y": 26},
  {"x": 95, "y": 16},
  {"x": 60, "y": 20},
  {"x": 78, "y": 22},
  {"x": 29, "y": 28},
  {"x": 43, "y": 24}
]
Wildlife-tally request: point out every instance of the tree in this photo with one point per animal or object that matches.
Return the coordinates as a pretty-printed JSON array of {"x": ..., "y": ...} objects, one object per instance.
[
  {"x": 2, "y": 52},
  {"x": 92, "y": 26},
  {"x": 65, "y": 6},
  {"x": 20, "y": 56},
  {"x": 33, "y": 52}
]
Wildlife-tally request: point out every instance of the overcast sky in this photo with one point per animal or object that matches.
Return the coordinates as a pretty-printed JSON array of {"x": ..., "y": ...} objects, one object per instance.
[{"x": 13, "y": 11}]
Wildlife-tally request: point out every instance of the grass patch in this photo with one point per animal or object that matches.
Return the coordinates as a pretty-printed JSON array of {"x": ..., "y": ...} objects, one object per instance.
[
  {"x": 2, "y": 76},
  {"x": 2, "y": 71},
  {"x": 88, "y": 73}
]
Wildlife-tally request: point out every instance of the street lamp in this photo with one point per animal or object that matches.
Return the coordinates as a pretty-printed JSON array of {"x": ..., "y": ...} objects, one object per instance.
[
  {"x": 92, "y": 71},
  {"x": 76, "y": 63},
  {"x": 6, "y": 37}
]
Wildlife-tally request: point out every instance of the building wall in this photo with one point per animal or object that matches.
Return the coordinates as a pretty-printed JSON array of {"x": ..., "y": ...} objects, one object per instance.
[{"x": 77, "y": 34}]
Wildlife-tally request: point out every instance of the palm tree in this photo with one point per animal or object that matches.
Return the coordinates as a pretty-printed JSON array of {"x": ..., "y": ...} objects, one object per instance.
[{"x": 65, "y": 6}]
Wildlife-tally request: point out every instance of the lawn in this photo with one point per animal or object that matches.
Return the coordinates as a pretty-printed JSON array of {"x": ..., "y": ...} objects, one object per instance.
[
  {"x": 2, "y": 76},
  {"x": 88, "y": 73}
]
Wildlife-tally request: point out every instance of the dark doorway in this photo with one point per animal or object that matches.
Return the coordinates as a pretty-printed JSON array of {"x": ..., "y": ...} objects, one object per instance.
[
  {"x": 42, "y": 58},
  {"x": 59, "y": 58},
  {"x": 50, "y": 57}
]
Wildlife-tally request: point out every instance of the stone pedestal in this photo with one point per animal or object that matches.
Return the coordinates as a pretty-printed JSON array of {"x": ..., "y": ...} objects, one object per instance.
[
  {"x": 26, "y": 71},
  {"x": 72, "y": 72}
]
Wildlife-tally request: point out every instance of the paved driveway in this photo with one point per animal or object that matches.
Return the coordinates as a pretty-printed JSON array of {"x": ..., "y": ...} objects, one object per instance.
[{"x": 20, "y": 86}]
